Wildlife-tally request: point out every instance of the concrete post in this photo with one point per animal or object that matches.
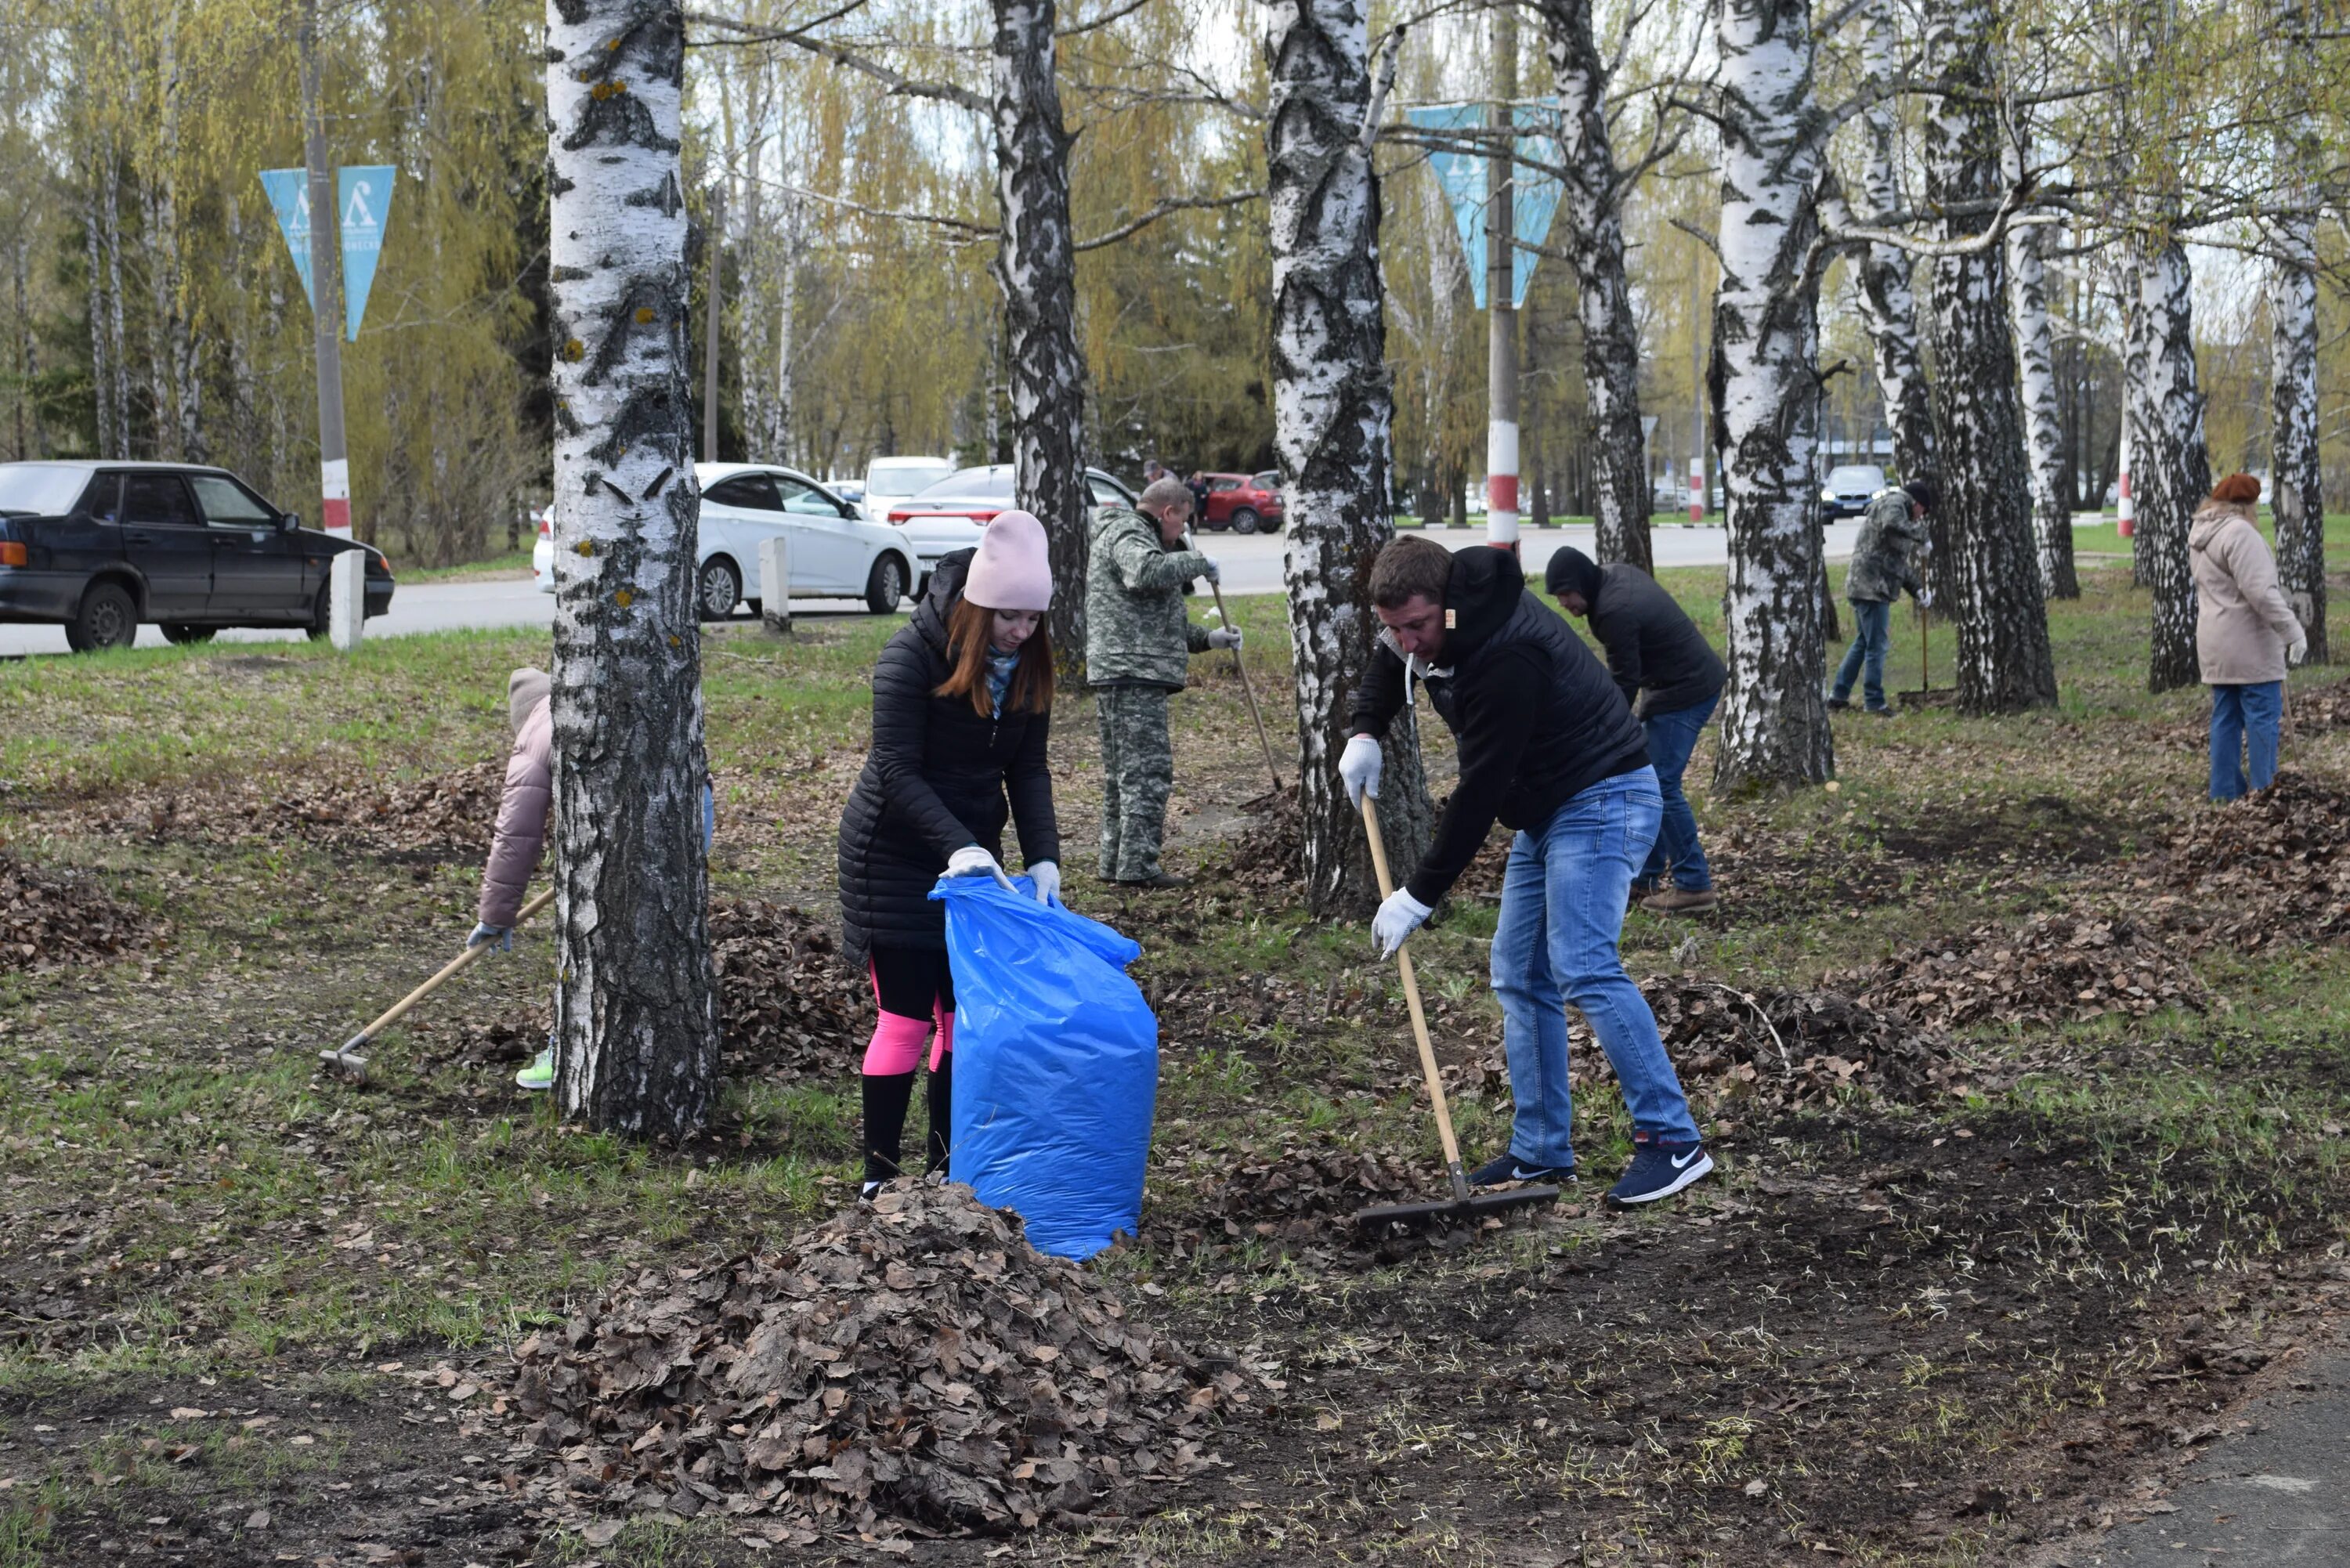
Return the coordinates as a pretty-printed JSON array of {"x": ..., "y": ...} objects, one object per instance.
[
  {"x": 776, "y": 585},
  {"x": 346, "y": 598}
]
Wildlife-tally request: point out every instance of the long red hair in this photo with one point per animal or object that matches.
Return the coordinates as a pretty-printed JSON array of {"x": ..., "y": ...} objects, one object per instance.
[{"x": 969, "y": 634}]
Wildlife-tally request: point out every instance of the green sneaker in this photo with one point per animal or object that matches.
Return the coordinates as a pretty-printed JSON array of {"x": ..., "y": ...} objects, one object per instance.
[{"x": 540, "y": 1074}]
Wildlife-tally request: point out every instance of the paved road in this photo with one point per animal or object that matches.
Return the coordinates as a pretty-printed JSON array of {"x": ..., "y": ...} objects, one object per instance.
[
  {"x": 2277, "y": 1493},
  {"x": 1251, "y": 564}
]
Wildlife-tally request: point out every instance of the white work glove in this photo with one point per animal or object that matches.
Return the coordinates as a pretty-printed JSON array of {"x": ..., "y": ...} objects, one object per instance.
[
  {"x": 970, "y": 861},
  {"x": 1925, "y": 599},
  {"x": 1048, "y": 877},
  {"x": 500, "y": 935},
  {"x": 2298, "y": 648},
  {"x": 1358, "y": 769},
  {"x": 1210, "y": 569},
  {"x": 1224, "y": 636},
  {"x": 1397, "y": 919}
]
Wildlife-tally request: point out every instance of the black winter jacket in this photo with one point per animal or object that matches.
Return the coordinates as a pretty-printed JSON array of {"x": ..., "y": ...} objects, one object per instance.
[
  {"x": 935, "y": 780},
  {"x": 1652, "y": 644},
  {"x": 1537, "y": 718}
]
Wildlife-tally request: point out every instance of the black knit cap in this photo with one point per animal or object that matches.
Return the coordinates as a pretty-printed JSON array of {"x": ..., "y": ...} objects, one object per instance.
[
  {"x": 1923, "y": 491},
  {"x": 1571, "y": 571}
]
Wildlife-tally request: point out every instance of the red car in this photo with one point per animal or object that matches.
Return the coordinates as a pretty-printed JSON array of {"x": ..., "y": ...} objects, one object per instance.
[{"x": 1244, "y": 502}]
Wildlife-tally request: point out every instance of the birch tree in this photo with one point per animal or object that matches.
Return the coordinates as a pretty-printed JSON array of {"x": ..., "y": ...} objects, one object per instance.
[
  {"x": 2296, "y": 489},
  {"x": 2044, "y": 427},
  {"x": 1764, "y": 379},
  {"x": 2171, "y": 472},
  {"x": 1037, "y": 265},
  {"x": 1332, "y": 414},
  {"x": 636, "y": 1019},
  {"x": 1592, "y": 203},
  {"x": 1886, "y": 295},
  {"x": 2004, "y": 663}
]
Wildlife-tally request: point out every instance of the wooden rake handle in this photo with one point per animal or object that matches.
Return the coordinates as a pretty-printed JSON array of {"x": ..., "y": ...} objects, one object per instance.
[
  {"x": 1419, "y": 1017},
  {"x": 1247, "y": 690},
  {"x": 449, "y": 972}
]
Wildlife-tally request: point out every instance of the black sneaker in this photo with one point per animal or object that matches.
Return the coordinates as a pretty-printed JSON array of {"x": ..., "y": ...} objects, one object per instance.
[
  {"x": 1659, "y": 1171},
  {"x": 1495, "y": 1172},
  {"x": 1839, "y": 705}
]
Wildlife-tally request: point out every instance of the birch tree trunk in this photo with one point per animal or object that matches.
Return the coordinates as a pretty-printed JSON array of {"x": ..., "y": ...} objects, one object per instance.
[
  {"x": 787, "y": 302},
  {"x": 1765, "y": 387},
  {"x": 636, "y": 1018},
  {"x": 1592, "y": 201},
  {"x": 181, "y": 432},
  {"x": 1037, "y": 265},
  {"x": 2170, "y": 471},
  {"x": 1332, "y": 423},
  {"x": 1992, "y": 570},
  {"x": 101, "y": 382},
  {"x": 1887, "y": 295},
  {"x": 2043, "y": 425},
  {"x": 2296, "y": 486}
]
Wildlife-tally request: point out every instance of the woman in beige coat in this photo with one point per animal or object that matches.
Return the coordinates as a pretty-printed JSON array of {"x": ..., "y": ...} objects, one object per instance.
[{"x": 2245, "y": 635}]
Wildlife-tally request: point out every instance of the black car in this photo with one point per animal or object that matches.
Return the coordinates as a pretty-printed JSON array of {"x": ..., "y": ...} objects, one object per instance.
[{"x": 99, "y": 547}]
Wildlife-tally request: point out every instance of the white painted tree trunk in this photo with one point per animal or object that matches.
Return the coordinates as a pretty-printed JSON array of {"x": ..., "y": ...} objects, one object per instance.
[
  {"x": 1037, "y": 265},
  {"x": 2043, "y": 425},
  {"x": 1764, "y": 381},
  {"x": 2170, "y": 472},
  {"x": 636, "y": 1018},
  {"x": 1332, "y": 423},
  {"x": 1886, "y": 294},
  {"x": 1991, "y": 565},
  {"x": 1592, "y": 201}
]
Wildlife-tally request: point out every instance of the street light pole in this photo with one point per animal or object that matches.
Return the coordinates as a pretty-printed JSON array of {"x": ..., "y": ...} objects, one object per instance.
[{"x": 327, "y": 275}]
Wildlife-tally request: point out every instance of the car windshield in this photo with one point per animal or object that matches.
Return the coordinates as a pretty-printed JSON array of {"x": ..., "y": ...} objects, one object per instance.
[
  {"x": 990, "y": 483},
  {"x": 41, "y": 489},
  {"x": 905, "y": 475},
  {"x": 1856, "y": 478}
]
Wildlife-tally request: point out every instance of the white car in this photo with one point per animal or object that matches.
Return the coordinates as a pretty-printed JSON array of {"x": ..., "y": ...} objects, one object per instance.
[
  {"x": 889, "y": 480},
  {"x": 950, "y": 515},
  {"x": 834, "y": 553}
]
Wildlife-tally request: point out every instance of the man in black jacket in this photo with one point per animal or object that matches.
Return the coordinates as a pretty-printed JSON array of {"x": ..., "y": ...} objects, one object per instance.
[
  {"x": 1547, "y": 747},
  {"x": 1670, "y": 673}
]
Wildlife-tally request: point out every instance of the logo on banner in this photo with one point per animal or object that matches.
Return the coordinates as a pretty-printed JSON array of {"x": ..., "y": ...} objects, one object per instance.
[
  {"x": 1533, "y": 194},
  {"x": 363, "y": 196}
]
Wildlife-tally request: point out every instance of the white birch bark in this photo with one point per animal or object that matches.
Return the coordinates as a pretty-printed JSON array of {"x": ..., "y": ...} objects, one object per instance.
[
  {"x": 1592, "y": 200},
  {"x": 2296, "y": 489},
  {"x": 1990, "y": 563},
  {"x": 2043, "y": 425},
  {"x": 1887, "y": 295},
  {"x": 1765, "y": 387},
  {"x": 787, "y": 261},
  {"x": 1331, "y": 427},
  {"x": 100, "y": 367},
  {"x": 1037, "y": 265},
  {"x": 179, "y": 408},
  {"x": 636, "y": 1020},
  {"x": 2170, "y": 472}
]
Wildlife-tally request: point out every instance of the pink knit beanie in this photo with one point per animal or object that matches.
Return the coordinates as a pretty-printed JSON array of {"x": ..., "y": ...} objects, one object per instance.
[{"x": 1010, "y": 571}]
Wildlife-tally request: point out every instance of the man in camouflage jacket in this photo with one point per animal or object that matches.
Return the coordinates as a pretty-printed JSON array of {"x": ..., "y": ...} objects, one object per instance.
[
  {"x": 1883, "y": 566},
  {"x": 1138, "y": 648}
]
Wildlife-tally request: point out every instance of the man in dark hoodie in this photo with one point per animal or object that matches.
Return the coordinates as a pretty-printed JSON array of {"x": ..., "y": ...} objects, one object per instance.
[
  {"x": 1548, "y": 747},
  {"x": 1672, "y": 677}
]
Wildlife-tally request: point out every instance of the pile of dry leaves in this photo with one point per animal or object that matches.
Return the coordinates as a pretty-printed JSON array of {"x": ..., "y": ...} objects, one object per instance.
[
  {"x": 1787, "y": 1047},
  {"x": 2275, "y": 866},
  {"x": 449, "y": 816},
  {"x": 914, "y": 1360},
  {"x": 2052, "y": 968},
  {"x": 52, "y": 918},
  {"x": 1271, "y": 851},
  {"x": 791, "y": 1007}
]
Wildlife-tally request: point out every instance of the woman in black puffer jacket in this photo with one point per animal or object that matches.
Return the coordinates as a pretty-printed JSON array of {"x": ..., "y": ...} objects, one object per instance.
[{"x": 963, "y": 706}]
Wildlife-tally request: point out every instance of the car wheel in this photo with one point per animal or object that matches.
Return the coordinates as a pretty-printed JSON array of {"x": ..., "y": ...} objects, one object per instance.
[
  {"x": 108, "y": 618},
  {"x": 180, "y": 633},
  {"x": 885, "y": 586},
  {"x": 720, "y": 588},
  {"x": 322, "y": 613},
  {"x": 1246, "y": 521}
]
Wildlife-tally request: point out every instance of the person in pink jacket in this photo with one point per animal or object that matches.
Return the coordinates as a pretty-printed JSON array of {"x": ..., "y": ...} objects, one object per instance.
[
  {"x": 523, "y": 810},
  {"x": 2245, "y": 635}
]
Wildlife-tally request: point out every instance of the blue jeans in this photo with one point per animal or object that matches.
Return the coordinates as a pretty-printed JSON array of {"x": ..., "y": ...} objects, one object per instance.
[
  {"x": 2244, "y": 717},
  {"x": 1563, "y": 900},
  {"x": 1672, "y": 736},
  {"x": 1872, "y": 636}
]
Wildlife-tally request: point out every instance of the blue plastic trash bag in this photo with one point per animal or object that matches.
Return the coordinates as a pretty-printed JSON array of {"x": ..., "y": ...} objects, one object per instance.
[{"x": 1055, "y": 1064}]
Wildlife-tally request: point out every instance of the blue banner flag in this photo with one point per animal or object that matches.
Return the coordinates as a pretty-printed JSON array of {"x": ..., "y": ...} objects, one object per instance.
[
  {"x": 1533, "y": 194},
  {"x": 363, "y": 195},
  {"x": 289, "y": 195}
]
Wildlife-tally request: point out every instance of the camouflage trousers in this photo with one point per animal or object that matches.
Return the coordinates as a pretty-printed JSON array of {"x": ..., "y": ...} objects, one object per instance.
[{"x": 1137, "y": 772}]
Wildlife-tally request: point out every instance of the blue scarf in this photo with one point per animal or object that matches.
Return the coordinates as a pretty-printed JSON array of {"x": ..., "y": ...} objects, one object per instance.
[{"x": 999, "y": 667}]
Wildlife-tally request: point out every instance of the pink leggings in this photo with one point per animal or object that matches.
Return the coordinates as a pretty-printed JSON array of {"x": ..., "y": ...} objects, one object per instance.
[{"x": 898, "y": 1037}]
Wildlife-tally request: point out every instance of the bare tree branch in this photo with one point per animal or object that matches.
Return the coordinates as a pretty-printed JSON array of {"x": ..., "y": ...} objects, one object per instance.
[
  {"x": 1120, "y": 14},
  {"x": 1166, "y": 209},
  {"x": 897, "y": 82}
]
